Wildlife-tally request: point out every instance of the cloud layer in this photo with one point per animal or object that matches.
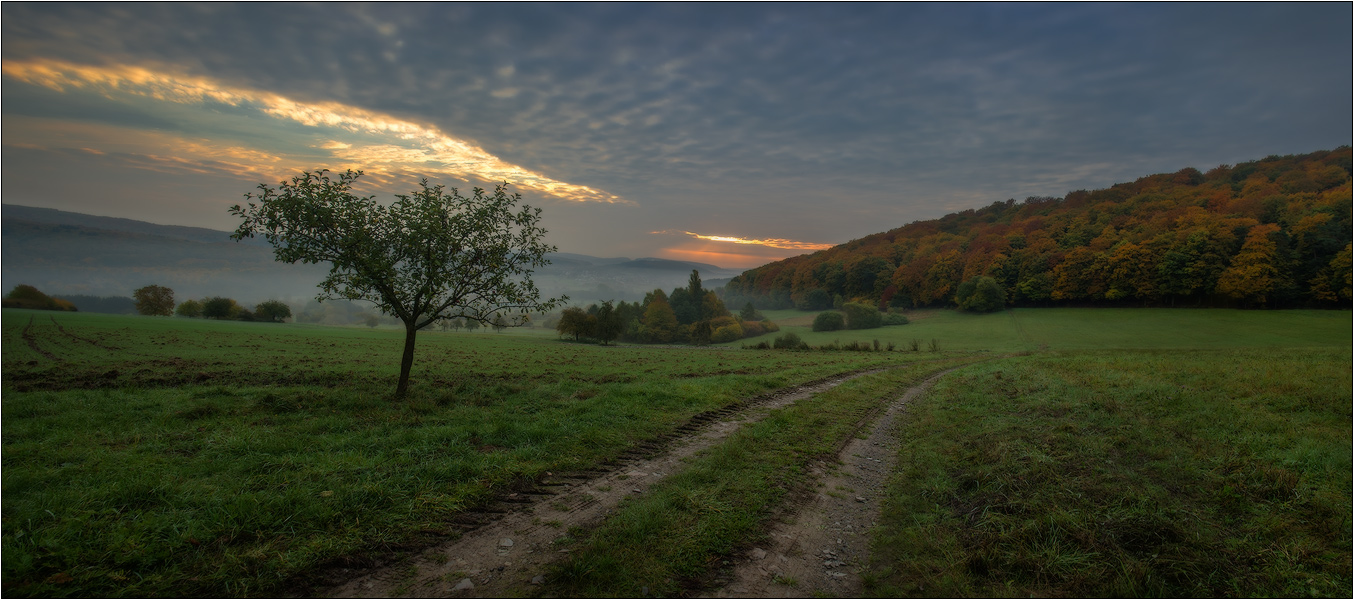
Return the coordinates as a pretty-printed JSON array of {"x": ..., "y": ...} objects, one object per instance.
[{"x": 822, "y": 122}]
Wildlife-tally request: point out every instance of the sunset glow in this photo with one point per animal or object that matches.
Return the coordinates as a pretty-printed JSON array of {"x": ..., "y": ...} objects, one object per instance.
[
  {"x": 408, "y": 146},
  {"x": 780, "y": 243}
]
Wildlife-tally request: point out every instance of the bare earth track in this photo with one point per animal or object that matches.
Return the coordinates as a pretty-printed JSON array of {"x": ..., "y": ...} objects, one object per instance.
[
  {"x": 505, "y": 550},
  {"x": 821, "y": 549}
]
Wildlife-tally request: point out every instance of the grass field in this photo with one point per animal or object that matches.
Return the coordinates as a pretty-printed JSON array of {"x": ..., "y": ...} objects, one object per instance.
[
  {"x": 147, "y": 456},
  {"x": 1036, "y": 329},
  {"x": 1124, "y": 474},
  {"x": 1157, "y": 452}
]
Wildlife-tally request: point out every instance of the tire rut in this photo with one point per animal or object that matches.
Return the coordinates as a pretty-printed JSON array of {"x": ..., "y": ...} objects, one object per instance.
[
  {"x": 821, "y": 549},
  {"x": 32, "y": 341},
  {"x": 86, "y": 340},
  {"x": 505, "y": 549}
]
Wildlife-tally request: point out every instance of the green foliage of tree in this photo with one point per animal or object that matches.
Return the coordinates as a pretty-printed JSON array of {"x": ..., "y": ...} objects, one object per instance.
[
  {"x": 684, "y": 306},
  {"x": 218, "y": 307},
  {"x": 189, "y": 308},
  {"x": 427, "y": 256},
  {"x": 712, "y": 307},
  {"x": 861, "y": 316},
  {"x": 814, "y": 299},
  {"x": 154, "y": 300},
  {"x": 272, "y": 311},
  {"x": 660, "y": 323},
  {"x": 27, "y": 296},
  {"x": 980, "y": 294},
  {"x": 749, "y": 313},
  {"x": 701, "y": 333},
  {"x": 829, "y": 321},
  {"x": 607, "y": 323},
  {"x": 576, "y": 322}
]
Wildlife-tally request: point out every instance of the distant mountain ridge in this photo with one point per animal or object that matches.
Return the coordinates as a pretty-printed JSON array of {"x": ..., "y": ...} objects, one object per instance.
[{"x": 62, "y": 252}]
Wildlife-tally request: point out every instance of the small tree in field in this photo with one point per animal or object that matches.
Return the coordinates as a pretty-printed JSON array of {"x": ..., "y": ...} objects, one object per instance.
[
  {"x": 154, "y": 300},
  {"x": 428, "y": 256},
  {"x": 217, "y": 307},
  {"x": 189, "y": 308},
  {"x": 272, "y": 311}
]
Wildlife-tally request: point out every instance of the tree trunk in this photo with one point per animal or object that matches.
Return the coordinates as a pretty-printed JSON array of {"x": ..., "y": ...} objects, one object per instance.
[{"x": 407, "y": 362}]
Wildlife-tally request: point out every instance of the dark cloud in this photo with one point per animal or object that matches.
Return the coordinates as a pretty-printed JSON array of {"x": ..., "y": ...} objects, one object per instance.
[{"x": 762, "y": 116}]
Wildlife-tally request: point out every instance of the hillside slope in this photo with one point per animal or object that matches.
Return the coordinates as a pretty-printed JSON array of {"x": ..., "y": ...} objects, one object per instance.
[{"x": 1268, "y": 233}]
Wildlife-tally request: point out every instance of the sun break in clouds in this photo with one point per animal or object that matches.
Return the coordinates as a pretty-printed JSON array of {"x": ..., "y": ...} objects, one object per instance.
[
  {"x": 378, "y": 144},
  {"x": 778, "y": 243}
]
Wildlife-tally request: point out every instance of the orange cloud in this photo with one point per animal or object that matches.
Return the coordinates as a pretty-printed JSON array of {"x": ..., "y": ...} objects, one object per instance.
[
  {"x": 728, "y": 260},
  {"x": 411, "y": 146},
  {"x": 769, "y": 243}
]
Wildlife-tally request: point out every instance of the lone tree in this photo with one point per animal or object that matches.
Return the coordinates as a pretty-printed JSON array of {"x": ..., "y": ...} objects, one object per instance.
[
  {"x": 154, "y": 300},
  {"x": 428, "y": 256},
  {"x": 272, "y": 311}
]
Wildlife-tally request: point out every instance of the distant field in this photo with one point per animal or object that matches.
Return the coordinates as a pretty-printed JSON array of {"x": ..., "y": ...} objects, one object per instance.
[{"x": 1032, "y": 329}]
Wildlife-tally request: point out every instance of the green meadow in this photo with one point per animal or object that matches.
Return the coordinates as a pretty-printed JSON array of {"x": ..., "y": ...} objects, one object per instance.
[
  {"x": 158, "y": 456},
  {"x": 1036, "y": 329},
  {"x": 1095, "y": 452}
]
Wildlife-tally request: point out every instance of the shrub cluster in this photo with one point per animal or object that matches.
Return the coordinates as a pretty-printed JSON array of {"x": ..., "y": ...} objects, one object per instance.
[
  {"x": 27, "y": 296},
  {"x": 220, "y": 308},
  {"x": 690, "y": 315}
]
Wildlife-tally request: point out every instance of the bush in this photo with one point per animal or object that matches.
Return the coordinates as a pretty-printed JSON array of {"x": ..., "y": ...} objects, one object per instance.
[
  {"x": 27, "y": 296},
  {"x": 861, "y": 316},
  {"x": 789, "y": 341},
  {"x": 828, "y": 321},
  {"x": 727, "y": 333},
  {"x": 217, "y": 307},
  {"x": 770, "y": 326},
  {"x": 752, "y": 329},
  {"x": 980, "y": 294},
  {"x": 894, "y": 319},
  {"x": 189, "y": 308}
]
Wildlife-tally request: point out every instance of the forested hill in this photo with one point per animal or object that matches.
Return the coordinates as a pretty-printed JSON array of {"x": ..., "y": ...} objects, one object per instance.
[{"x": 1269, "y": 233}]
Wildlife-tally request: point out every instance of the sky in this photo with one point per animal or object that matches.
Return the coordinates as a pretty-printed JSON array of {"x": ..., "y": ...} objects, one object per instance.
[{"x": 729, "y": 134}]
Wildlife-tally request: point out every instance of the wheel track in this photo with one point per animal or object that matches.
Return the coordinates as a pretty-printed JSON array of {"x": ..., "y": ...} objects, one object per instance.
[
  {"x": 822, "y": 548},
  {"x": 94, "y": 343},
  {"x": 32, "y": 342},
  {"x": 534, "y": 515}
]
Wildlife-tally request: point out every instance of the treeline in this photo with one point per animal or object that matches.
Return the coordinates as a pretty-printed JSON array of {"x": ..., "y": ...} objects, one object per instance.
[
  {"x": 1269, "y": 233},
  {"x": 689, "y": 315},
  {"x": 227, "y": 309}
]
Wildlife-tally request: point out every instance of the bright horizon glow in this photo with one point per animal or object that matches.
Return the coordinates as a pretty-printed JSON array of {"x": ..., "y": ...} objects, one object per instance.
[
  {"x": 779, "y": 243},
  {"x": 411, "y": 147}
]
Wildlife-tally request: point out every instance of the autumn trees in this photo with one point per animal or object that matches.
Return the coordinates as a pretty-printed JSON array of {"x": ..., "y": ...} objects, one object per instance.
[{"x": 1267, "y": 233}]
